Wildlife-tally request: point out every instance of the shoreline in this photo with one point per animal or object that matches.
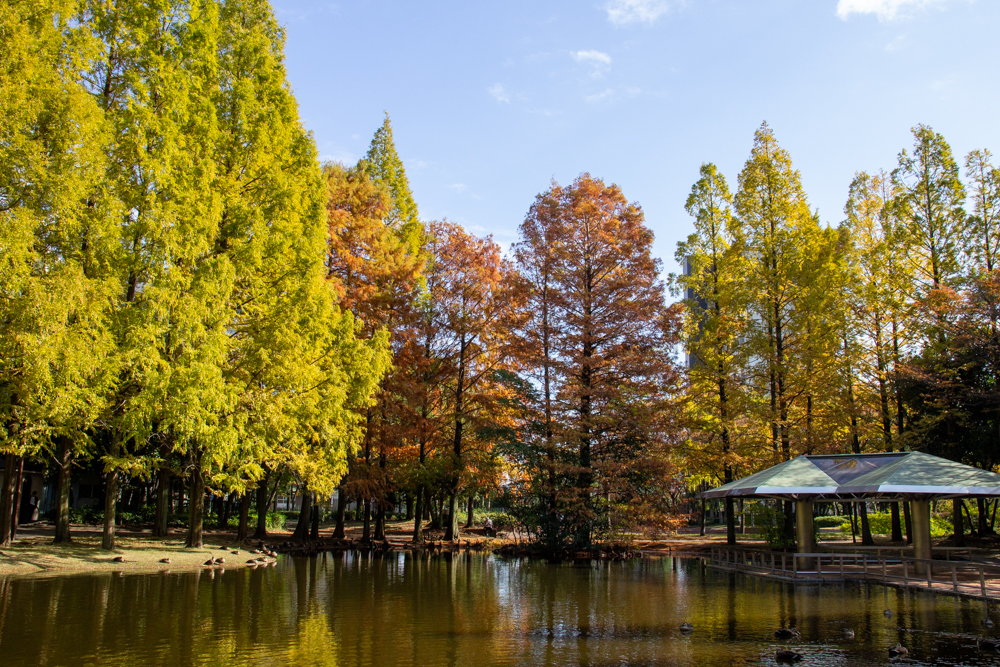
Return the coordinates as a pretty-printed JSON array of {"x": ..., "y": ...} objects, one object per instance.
[{"x": 34, "y": 555}]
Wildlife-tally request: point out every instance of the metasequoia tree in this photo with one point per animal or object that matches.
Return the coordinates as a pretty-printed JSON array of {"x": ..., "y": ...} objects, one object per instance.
[
  {"x": 535, "y": 255},
  {"x": 615, "y": 371},
  {"x": 375, "y": 262},
  {"x": 877, "y": 297},
  {"x": 715, "y": 318},
  {"x": 58, "y": 233},
  {"x": 929, "y": 202},
  {"x": 982, "y": 232},
  {"x": 471, "y": 297},
  {"x": 784, "y": 248},
  {"x": 776, "y": 232}
]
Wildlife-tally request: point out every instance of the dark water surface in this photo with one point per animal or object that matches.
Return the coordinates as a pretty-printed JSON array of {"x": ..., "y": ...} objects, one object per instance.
[{"x": 467, "y": 611}]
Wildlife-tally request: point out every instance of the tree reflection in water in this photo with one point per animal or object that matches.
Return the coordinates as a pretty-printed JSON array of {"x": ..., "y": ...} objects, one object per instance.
[{"x": 362, "y": 609}]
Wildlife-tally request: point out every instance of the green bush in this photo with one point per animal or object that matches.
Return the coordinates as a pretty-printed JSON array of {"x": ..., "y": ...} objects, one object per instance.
[
  {"x": 87, "y": 515},
  {"x": 831, "y": 521},
  {"x": 501, "y": 519},
  {"x": 275, "y": 520},
  {"x": 770, "y": 524},
  {"x": 881, "y": 524}
]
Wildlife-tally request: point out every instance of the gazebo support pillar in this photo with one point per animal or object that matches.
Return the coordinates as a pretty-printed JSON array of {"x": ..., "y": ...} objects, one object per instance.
[
  {"x": 804, "y": 538},
  {"x": 920, "y": 513}
]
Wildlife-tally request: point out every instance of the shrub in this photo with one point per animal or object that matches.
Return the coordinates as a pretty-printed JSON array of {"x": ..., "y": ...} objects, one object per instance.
[
  {"x": 831, "y": 521},
  {"x": 500, "y": 518},
  {"x": 881, "y": 524}
]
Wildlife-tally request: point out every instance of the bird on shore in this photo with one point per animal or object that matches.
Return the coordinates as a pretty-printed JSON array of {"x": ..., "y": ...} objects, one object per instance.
[
  {"x": 784, "y": 655},
  {"x": 848, "y": 633},
  {"x": 898, "y": 650},
  {"x": 252, "y": 561},
  {"x": 210, "y": 562},
  {"x": 987, "y": 645},
  {"x": 220, "y": 561},
  {"x": 787, "y": 633},
  {"x": 987, "y": 622},
  {"x": 119, "y": 559},
  {"x": 165, "y": 560},
  {"x": 686, "y": 627},
  {"x": 235, "y": 552},
  {"x": 887, "y": 613}
]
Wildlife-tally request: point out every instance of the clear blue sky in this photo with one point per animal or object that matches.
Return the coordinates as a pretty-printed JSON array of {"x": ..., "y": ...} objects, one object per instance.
[{"x": 489, "y": 101}]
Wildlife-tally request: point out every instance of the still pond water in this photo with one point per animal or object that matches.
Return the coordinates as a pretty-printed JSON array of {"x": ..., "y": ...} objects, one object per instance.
[{"x": 466, "y": 611}]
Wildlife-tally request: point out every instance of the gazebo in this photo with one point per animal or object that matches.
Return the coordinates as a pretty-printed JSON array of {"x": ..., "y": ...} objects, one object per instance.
[{"x": 912, "y": 476}]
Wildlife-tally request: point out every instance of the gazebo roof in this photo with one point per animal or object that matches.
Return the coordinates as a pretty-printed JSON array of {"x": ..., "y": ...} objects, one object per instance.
[{"x": 848, "y": 476}]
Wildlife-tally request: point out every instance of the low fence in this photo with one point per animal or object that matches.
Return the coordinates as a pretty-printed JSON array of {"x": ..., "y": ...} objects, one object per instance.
[{"x": 968, "y": 578}]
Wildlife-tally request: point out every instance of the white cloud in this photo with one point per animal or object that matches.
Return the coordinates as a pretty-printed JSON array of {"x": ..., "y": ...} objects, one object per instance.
[
  {"x": 886, "y": 10},
  {"x": 499, "y": 93},
  {"x": 458, "y": 187},
  {"x": 600, "y": 97},
  {"x": 598, "y": 62},
  {"x": 621, "y": 12}
]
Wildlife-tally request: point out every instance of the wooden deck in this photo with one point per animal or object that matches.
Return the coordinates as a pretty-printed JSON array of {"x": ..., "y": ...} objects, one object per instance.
[{"x": 971, "y": 578}]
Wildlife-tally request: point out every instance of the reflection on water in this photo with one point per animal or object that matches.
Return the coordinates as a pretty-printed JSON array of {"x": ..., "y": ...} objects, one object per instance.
[{"x": 350, "y": 609}]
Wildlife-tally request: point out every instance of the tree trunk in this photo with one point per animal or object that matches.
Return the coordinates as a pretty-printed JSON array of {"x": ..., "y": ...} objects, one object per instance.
[
  {"x": 897, "y": 528},
  {"x": 409, "y": 507},
  {"x": 223, "y": 515},
  {"x": 789, "y": 521},
  {"x": 163, "y": 487},
  {"x": 243, "y": 531},
  {"x": 15, "y": 519},
  {"x": 866, "y": 531},
  {"x": 451, "y": 527},
  {"x": 956, "y": 520},
  {"x": 472, "y": 509},
  {"x": 196, "y": 507},
  {"x": 338, "y": 531},
  {"x": 730, "y": 521},
  {"x": 64, "y": 461},
  {"x": 906, "y": 522},
  {"x": 983, "y": 526},
  {"x": 7, "y": 508},
  {"x": 263, "y": 503},
  {"x": 301, "y": 533},
  {"x": 366, "y": 531},
  {"x": 434, "y": 509},
  {"x": 702, "y": 532},
  {"x": 380, "y": 522},
  {"x": 418, "y": 513},
  {"x": 314, "y": 528},
  {"x": 111, "y": 499}
]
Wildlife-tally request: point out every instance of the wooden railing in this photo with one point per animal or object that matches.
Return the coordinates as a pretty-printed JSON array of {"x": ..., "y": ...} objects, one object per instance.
[{"x": 968, "y": 578}]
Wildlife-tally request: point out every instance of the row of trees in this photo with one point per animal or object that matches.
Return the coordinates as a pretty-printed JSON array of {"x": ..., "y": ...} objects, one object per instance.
[
  {"x": 546, "y": 375},
  {"x": 873, "y": 335},
  {"x": 188, "y": 297},
  {"x": 164, "y": 305}
]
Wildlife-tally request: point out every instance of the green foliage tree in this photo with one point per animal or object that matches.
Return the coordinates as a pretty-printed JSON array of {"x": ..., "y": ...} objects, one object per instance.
[
  {"x": 929, "y": 202},
  {"x": 715, "y": 320},
  {"x": 58, "y": 230},
  {"x": 982, "y": 239}
]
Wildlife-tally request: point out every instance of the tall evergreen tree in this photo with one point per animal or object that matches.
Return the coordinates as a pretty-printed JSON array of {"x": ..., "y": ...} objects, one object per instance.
[
  {"x": 929, "y": 202},
  {"x": 57, "y": 235},
  {"x": 715, "y": 319},
  {"x": 982, "y": 238}
]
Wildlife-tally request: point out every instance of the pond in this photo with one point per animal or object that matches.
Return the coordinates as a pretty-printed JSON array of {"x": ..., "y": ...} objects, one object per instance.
[{"x": 469, "y": 610}]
